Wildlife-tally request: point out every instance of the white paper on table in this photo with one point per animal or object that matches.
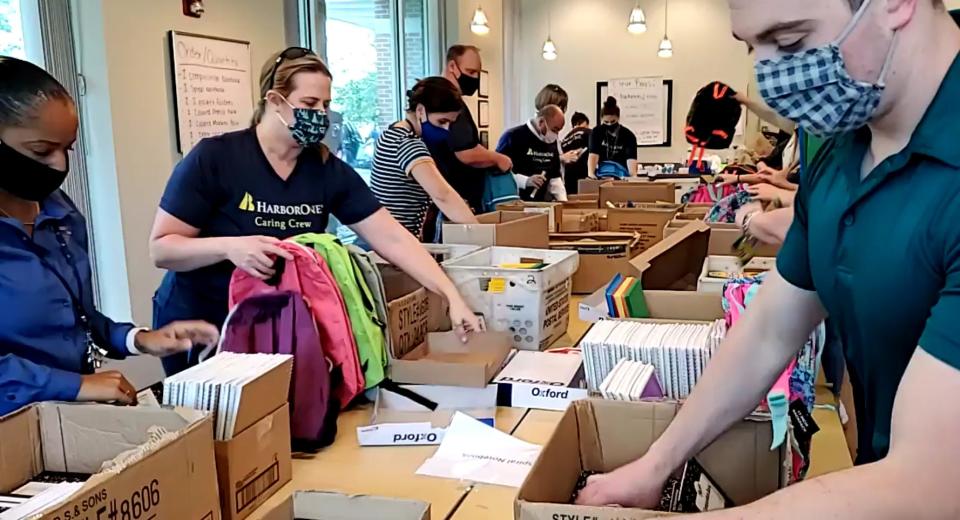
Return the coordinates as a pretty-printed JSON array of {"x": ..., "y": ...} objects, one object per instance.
[
  {"x": 51, "y": 496},
  {"x": 473, "y": 451}
]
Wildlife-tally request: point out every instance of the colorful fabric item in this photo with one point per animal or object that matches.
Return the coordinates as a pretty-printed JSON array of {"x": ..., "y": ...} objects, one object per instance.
[
  {"x": 709, "y": 193},
  {"x": 725, "y": 210}
]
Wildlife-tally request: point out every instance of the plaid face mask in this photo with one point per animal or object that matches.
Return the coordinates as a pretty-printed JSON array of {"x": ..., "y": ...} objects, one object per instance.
[{"x": 814, "y": 89}]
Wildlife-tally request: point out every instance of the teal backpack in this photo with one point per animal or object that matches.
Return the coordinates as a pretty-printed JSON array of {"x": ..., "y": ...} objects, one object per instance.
[{"x": 368, "y": 328}]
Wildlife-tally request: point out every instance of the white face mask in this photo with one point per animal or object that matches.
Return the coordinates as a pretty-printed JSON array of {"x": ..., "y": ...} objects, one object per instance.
[{"x": 547, "y": 135}]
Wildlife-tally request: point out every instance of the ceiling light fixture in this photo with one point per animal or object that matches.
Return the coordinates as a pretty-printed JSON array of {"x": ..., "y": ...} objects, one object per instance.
[
  {"x": 549, "y": 48},
  {"x": 480, "y": 25},
  {"x": 638, "y": 20},
  {"x": 666, "y": 46}
]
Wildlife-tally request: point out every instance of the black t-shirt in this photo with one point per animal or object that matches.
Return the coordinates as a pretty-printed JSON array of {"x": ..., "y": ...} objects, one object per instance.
[
  {"x": 619, "y": 145},
  {"x": 577, "y": 139},
  {"x": 530, "y": 155},
  {"x": 466, "y": 180},
  {"x": 225, "y": 187}
]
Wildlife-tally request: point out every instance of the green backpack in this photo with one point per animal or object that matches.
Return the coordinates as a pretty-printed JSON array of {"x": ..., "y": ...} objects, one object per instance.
[
  {"x": 370, "y": 272},
  {"x": 368, "y": 328}
]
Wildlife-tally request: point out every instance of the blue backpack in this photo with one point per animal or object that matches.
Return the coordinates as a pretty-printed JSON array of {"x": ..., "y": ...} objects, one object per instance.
[
  {"x": 611, "y": 170},
  {"x": 499, "y": 188}
]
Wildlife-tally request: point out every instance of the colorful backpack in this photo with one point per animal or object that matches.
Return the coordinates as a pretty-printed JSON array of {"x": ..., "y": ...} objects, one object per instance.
[
  {"x": 308, "y": 275},
  {"x": 368, "y": 328},
  {"x": 281, "y": 323},
  {"x": 611, "y": 170},
  {"x": 370, "y": 272}
]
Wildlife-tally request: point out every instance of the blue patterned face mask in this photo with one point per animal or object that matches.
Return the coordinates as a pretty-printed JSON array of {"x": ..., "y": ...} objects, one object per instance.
[
  {"x": 814, "y": 89},
  {"x": 309, "y": 125}
]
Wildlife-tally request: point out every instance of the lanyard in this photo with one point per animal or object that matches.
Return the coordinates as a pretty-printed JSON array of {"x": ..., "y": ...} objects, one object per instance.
[{"x": 95, "y": 354}]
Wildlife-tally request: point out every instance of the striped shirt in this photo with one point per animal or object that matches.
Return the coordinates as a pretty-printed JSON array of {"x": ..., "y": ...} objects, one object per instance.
[{"x": 397, "y": 151}]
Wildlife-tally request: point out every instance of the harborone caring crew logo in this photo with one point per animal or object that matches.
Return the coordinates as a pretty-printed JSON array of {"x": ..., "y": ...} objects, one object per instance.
[{"x": 281, "y": 216}]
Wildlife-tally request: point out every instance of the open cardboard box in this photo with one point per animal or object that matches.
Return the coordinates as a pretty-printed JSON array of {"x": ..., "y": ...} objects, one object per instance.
[
  {"x": 79, "y": 438},
  {"x": 256, "y": 462},
  {"x": 580, "y": 221},
  {"x": 623, "y": 191},
  {"x": 412, "y": 311},
  {"x": 662, "y": 305},
  {"x": 590, "y": 186},
  {"x": 553, "y": 210},
  {"x": 674, "y": 264},
  {"x": 602, "y": 255},
  {"x": 444, "y": 360},
  {"x": 322, "y": 505},
  {"x": 502, "y": 228},
  {"x": 400, "y": 421},
  {"x": 599, "y": 435},
  {"x": 648, "y": 220},
  {"x": 730, "y": 265}
]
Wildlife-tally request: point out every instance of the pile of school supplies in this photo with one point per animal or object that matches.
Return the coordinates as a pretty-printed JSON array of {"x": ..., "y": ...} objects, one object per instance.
[
  {"x": 41, "y": 492},
  {"x": 217, "y": 386},
  {"x": 625, "y": 298},
  {"x": 631, "y": 381},
  {"x": 678, "y": 351}
]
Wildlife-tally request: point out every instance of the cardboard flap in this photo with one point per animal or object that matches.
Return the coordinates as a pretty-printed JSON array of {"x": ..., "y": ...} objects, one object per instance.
[
  {"x": 626, "y": 430},
  {"x": 555, "y": 472},
  {"x": 674, "y": 261},
  {"x": 20, "y": 453},
  {"x": 263, "y": 395},
  {"x": 78, "y": 438},
  {"x": 722, "y": 240},
  {"x": 444, "y": 360},
  {"x": 321, "y": 505},
  {"x": 748, "y": 476},
  {"x": 621, "y": 191},
  {"x": 395, "y": 408}
]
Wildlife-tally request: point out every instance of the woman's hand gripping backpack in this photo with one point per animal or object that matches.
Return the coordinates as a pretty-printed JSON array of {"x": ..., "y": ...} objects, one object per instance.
[{"x": 300, "y": 312}]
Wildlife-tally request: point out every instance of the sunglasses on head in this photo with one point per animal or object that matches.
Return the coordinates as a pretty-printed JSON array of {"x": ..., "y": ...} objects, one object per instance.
[{"x": 291, "y": 53}]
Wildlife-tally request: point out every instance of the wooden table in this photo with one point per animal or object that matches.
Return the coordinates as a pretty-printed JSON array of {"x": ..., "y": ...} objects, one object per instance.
[{"x": 349, "y": 468}]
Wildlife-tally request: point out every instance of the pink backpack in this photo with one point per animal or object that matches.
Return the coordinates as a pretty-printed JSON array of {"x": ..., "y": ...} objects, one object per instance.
[{"x": 308, "y": 275}]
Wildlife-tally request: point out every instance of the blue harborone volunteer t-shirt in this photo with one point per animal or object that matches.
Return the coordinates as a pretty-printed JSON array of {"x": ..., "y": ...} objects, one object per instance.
[{"x": 225, "y": 187}]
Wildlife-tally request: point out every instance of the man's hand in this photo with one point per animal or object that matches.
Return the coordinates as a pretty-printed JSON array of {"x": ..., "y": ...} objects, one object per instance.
[
  {"x": 638, "y": 484},
  {"x": 178, "y": 336},
  {"x": 770, "y": 173},
  {"x": 764, "y": 192},
  {"x": 105, "y": 387},
  {"x": 571, "y": 157},
  {"x": 504, "y": 163},
  {"x": 536, "y": 181}
]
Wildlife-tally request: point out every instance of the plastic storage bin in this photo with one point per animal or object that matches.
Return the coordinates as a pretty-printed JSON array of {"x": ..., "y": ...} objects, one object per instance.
[{"x": 532, "y": 304}]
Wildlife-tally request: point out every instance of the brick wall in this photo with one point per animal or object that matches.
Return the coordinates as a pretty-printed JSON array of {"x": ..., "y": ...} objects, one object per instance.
[{"x": 386, "y": 64}]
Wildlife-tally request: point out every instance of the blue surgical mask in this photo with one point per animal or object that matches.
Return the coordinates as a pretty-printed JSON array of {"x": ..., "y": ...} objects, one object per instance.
[
  {"x": 814, "y": 89},
  {"x": 309, "y": 125},
  {"x": 432, "y": 133}
]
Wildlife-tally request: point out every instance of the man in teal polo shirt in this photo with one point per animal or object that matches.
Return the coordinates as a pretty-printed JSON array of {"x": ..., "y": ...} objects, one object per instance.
[{"x": 875, "y": 243}]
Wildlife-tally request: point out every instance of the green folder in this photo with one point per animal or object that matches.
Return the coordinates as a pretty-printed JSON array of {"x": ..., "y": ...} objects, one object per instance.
[{"x": 635, "y": 303}]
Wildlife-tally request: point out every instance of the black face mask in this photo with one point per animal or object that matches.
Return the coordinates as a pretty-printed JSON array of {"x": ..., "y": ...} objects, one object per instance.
[
  {"x": 469, "y": 85},
  {"x": 611, "y": 127},
  {"x": 26, "y": 178}
]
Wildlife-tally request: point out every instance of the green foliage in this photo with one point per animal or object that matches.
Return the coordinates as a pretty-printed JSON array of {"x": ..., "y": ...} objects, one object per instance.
[
  {"x": 358, "y": 100},
  {"x": 11, "y": 43}
]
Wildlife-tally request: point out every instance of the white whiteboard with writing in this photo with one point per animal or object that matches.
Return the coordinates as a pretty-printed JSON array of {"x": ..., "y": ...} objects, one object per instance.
[
  {"x": 643, "y": 107},
  {"x": 212, "y": 86}
]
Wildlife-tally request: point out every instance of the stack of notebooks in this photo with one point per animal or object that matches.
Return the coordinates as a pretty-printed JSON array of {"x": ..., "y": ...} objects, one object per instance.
[
  {"x": 41, "y": 492},
  {"x": 679, "y": 352},
  {"x": 217, "y": 386},
  {"x": 625, "y": 298},
  {"x": 631, "y": 381}
]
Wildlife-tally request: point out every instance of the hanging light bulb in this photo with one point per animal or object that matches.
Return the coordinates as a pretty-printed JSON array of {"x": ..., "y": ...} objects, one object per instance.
[
  {"x": 549, "y": 50},
  {"x": 479, "y": 25},
  {"x": 638, "y": 20},
  {"x": 666, "y": 46}
]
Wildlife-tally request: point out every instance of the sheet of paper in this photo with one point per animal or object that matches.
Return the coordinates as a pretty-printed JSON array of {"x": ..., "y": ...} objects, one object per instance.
[{"x": 475, "y": 452}]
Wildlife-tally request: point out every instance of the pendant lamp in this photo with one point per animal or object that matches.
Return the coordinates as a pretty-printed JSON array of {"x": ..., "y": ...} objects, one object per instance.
[
  {"x": 479, "y": 25},
  {"x": 666, "y": 46},
  {"x": 638, "y": 21},
  {"x": 549, "y": 48}
]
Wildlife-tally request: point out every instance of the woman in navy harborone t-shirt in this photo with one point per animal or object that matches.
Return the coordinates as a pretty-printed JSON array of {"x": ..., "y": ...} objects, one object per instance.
[{"x": 234, "y": 197}]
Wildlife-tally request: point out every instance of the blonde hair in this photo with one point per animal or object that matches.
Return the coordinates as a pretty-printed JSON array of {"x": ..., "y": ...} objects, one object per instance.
[
  {"x": 283, "y": 78},
  {"x": 283, "y": 82}
]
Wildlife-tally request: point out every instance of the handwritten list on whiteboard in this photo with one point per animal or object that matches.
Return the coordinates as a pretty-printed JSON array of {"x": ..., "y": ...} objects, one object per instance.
[
  {"x": 212, "y": 86},
  {"x": 643, "y": 107}
]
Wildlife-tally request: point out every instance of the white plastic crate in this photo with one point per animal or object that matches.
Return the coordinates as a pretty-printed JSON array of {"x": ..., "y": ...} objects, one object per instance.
[{"x": 532, "y": 304}]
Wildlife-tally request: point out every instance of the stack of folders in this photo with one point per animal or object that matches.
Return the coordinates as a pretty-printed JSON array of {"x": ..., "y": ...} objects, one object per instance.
[
  {"x": 679, "y": 352},
  {"x": 631, "y": 381},
  {"x": 217, "y": 386},
  {"x": 625, "y": 298}
]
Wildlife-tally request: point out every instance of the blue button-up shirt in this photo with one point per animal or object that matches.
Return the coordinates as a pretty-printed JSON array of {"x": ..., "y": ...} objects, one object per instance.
[{"x": 43, "y": 347}]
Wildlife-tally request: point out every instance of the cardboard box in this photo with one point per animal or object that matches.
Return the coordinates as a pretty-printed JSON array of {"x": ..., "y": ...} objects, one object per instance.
[
  {"x": 662, "y": 305},
  {"x": 647, "y": 220},
  {"x": 730, "y": 265},
  {"x": 553, "y": 210},
  {"x": 548, "y": 380},
  {"x": 637, "y": 192},
  {"x": 590, "y": 186},
  {"x": 674, "y": 264},
  {"x": 602, "y": 255},
  {"x": 501, "y": 228},
  {"x": 254, "y": 464},
  {"x": 444, "y": 360},
  {"x": 580, "y": 221},
  {"x": 599, "y": 435},
  {"x": 322, "y": 505},
  {"x": 722, "y": 240},
  {"x": 400, "y": 421},
  {"x": 79, "y": 438},
  {"x": 676, "y": 224},
  {"x": 584, "y": 197},
  {"x": 412, "y": 311}
]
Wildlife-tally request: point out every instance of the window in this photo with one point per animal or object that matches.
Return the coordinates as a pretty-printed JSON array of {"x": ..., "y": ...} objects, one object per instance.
[
  {"x": 376, "y": 51},
  {"x": 20, "y": 30}
]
